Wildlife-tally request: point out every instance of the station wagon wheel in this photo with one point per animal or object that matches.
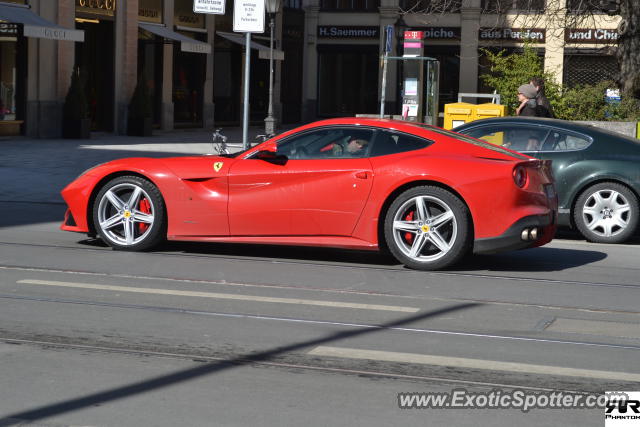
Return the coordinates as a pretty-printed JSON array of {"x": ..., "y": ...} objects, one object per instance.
[
  {"x": 427, "y": 228},
  {"x": 129, "y": 214},
  {"x": 606, "y": 213}
]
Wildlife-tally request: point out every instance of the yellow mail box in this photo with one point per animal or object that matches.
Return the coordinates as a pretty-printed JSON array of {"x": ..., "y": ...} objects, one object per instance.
[
  {"x": 458, "y": 113},
  {"x": 485, "y": 111}
]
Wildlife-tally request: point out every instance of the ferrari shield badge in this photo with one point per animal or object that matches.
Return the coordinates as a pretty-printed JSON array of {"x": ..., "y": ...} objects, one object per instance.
[{"x": 217, "y": 166}]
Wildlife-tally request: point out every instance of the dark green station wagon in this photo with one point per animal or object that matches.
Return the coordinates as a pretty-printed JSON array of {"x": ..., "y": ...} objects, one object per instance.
[{"x": 597, "y": 172}]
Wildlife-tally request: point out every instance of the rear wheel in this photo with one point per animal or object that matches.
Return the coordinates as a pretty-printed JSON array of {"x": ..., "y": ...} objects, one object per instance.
[
  {"x": 129, "y": 214},
  {"x": 606, "y": 213},
  {"x": 427, "y": 228}
]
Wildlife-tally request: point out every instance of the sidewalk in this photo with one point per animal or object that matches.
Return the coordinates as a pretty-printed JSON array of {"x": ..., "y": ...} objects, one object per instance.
[{"x": 35, "y": 170}]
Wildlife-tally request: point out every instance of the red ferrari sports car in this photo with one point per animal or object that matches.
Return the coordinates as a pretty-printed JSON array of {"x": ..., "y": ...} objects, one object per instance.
[{"x": 427, "y": 195}]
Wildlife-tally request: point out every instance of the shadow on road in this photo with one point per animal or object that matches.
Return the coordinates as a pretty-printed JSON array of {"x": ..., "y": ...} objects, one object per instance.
[
  {"x": 167, "y": 380},
  {"x": 542, "y": 259},
  {"x": 288, "y": 253}
]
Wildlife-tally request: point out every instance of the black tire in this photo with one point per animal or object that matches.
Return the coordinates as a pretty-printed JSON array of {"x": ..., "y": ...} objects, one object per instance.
[
  {"x": 453, "y": 235},
  {"x": 131, "y": 228},
  {"x": 613, "y": 220}
]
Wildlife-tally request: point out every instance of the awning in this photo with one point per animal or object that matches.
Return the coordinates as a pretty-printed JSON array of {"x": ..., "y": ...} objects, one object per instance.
[
  {"x": 187, "y": 44},
  {"x": 239, "y": 38},
  {"x": 36, "y": 26}
]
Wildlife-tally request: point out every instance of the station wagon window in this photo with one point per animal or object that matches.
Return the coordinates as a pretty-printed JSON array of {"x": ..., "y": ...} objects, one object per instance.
[
  {"x": 329, "y": 143},
  {"x": 518, "y": 138},
  {"x": 392, "y": 143},
  {"x": 561, "y": 141}
]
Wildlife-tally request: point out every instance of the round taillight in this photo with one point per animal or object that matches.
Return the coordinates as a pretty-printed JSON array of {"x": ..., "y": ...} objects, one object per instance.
[{"x": 520, "y": 176}]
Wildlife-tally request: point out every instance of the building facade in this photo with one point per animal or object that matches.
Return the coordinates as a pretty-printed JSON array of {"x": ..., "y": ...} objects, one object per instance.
[
  {"x": 193, "y": 63},
  {"x": 345, "y": 38}
]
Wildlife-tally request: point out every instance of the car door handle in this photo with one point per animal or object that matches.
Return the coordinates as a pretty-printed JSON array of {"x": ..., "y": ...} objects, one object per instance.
[{"x": 362, "y": 175}]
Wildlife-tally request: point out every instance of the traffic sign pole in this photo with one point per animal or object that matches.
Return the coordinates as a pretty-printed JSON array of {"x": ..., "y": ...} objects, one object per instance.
[{"x": 247, "y": 71}]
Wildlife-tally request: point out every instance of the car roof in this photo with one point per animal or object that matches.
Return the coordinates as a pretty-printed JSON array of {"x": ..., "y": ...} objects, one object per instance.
[
  {"x": 529, "y": 120},
  {"x": 584, "y": 128}
]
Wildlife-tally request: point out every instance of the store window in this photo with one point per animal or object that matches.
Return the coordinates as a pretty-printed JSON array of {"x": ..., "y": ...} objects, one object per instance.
[
  {"x": 189, "y": 69},
  {"x": 502, "y": 6},
  {"x": 350, "y": 5},
  {"x": 346, "y": 83},
  {"x": 431, "y": 6},
  {"x": 589, "y": 69},
  {"x": 585, "y": 6},
  {"x": 8, "y": 71}
]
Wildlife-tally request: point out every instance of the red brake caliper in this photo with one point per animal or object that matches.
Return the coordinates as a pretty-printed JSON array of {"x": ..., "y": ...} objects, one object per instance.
[
  {"x": 145, "y": 207},
  {"x": 409, "y": 236}
]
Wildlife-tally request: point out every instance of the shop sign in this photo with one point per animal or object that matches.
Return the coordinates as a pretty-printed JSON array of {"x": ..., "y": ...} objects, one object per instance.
[
  {"x": 150, "y": 11},
  {"x": 348, "y": 32},
  {"x": 513, "y": 34},
  {"x": 441, "y": 33},
  {"x": 590, "y": 35},
  {"x": 53, "y": 33},
  {"x": 97, "y": 7},
  {"x": 215, "y": 7},
  {"x": 8, "y": 29},
  {"x": 185, "y": 17}
]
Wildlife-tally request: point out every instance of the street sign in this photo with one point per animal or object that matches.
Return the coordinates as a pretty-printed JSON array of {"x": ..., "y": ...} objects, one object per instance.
[
  {"x": 215, "y": 7},
  {"x": 389, "y": 32},
  {"x": 248, "y": 16}
]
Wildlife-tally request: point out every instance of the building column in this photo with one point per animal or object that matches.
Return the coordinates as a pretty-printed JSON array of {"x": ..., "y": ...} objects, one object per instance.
[
  {"x": 388, "y": 16},
  {"x": 125, "y": 61},
  {"x": 470, "y": 25},
  {"x": 554, "y": 45},
  {"x": 66, "y": 49},
  {"x": 166, "y": 86},
  {"x": 310, "y": 67},
  {"x": 208, "y": 108},
  {"x": 44, "y": 108}
]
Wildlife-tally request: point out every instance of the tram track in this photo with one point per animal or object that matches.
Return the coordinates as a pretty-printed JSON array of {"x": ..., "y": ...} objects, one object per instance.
[
  {"x": 199, "y": 357},
  {"x": 344, "y": 266},
  {"x": 310, "y": 321},
  {"x": 312, "y": 289}
]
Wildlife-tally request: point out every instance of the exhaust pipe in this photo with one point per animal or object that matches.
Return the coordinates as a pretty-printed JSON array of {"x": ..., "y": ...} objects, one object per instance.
[{"x": 529, "y": 234}]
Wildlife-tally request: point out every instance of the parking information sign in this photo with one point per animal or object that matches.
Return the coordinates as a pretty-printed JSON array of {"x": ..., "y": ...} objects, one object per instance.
[
  {"x": 248, "y": 16},
  {"x": 215, "y": 7}
]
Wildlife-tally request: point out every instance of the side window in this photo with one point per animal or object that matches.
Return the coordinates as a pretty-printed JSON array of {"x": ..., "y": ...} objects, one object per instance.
[
  {"x": 518, "y": 138},
  {"x": 489, "y": 134},
  {"x": 392, "y": 143},
  {"x": 329, "y": 143},
  {"x": 560, "y": 141}
]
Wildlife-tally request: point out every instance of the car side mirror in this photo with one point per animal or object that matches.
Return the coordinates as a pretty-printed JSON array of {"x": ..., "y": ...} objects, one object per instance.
[
  {"x": 269, "y": 146},
  {"x": 269, "y": 154}
]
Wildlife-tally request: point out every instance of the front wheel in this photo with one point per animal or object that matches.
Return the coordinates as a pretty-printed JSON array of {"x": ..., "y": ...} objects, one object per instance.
[
  {"x": 606, "y": 213},
  {"x": 129, "y": 214},
  {"x": 427, "y": 228}
]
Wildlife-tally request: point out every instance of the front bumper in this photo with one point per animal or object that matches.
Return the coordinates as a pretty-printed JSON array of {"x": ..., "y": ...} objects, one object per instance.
[{"x": 511, "y": 239}]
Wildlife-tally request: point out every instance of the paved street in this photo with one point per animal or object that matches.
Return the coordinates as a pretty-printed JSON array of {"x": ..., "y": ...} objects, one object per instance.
[{"x": 214, "y": 334}]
